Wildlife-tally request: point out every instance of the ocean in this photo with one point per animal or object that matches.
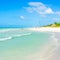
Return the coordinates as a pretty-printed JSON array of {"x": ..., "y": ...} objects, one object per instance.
[{"x": 22, "y": 44}]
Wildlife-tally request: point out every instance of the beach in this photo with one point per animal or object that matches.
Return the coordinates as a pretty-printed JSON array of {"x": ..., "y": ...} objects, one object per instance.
[
  {"x": 45, "y": 29},
  {"x": 55, "y": 52},
  {"x": 30, "y": 44},
  {"x": 56, "y": 55}
]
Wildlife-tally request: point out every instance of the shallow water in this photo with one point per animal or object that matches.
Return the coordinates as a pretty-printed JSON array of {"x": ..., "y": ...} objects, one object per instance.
[{"x": 16, "y": 44}]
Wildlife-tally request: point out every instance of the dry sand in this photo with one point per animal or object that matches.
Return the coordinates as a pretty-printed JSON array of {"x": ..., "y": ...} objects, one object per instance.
[{"x": 45, "y": 29}]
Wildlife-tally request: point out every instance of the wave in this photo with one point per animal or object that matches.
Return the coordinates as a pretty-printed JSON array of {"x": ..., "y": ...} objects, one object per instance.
[
  {"x": 6, "y": 38},
  {"x": 17, "y": 35},
  {"x": 4, "y": 30},
  {"x": 54, "y": 45},
  {"x": 22, "y": 34},
  {"x": 47, "y": 51},
  {"x": 54, "y": 39},
  {"x": 9, "y": 30}
]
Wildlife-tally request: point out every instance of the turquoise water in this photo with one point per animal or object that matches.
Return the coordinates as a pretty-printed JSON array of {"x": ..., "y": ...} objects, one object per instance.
[{"x": 15, "y": 44}]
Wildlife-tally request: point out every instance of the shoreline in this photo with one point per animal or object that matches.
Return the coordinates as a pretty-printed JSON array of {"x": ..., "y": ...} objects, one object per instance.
[
  {"x": 48, "y": 52},
  {"x": 45, "y": 29}
]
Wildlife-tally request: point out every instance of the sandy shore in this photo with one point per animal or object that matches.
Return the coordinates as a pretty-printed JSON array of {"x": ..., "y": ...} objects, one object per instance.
[
  {"x": 51, "y": 51},
  {"x": 45, "y": 29}
]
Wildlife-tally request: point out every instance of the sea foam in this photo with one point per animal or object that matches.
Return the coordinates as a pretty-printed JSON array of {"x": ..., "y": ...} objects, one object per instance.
[
  {"x": 6, "y": 38},
  {"x": 10, "y": 37}
]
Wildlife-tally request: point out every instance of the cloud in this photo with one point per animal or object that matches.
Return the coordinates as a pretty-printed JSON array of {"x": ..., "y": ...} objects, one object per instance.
[
  {"x": 36, "y": 4},
  {"x": 44, "y": 12},
  {"x": 57, "y": 12},
  {"x": 49, "y": 11},
  {"x": 22, "y": 17},
  {"x": 56, "y": 19},
  {"x": 39, "y": 8}
]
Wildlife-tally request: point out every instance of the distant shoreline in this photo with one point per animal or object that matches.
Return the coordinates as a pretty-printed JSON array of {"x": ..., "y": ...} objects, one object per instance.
[
  {"x": 45, "y": 29},
  {"x": 39, "y": 29}
]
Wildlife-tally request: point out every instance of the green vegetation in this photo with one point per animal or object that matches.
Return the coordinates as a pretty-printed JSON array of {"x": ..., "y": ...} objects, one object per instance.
[{"x": 53, "y": 25}]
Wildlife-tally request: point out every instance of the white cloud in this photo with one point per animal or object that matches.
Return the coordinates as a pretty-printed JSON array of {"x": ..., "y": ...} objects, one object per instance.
[
  {"x": 39, "y": 8},
  {"x": 43, "y": 10},
  {"x": 56, "y": 19},
  {"x": 49, "y": 11},
  {"x": 36, "y": 4},
  {"x": 22, "y": 17}
]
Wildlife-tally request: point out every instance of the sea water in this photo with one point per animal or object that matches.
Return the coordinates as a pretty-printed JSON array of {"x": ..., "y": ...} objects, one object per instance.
[{"x": 19, "y": 43}]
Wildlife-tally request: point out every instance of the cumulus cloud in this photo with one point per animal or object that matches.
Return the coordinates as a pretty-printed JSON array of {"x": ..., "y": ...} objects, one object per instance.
[
  {"x": 43, "y": 11},
  {"x": 22, "y": 17},
  {"x": 49, "y": 11},
  {"x": 39, "y": 8}
]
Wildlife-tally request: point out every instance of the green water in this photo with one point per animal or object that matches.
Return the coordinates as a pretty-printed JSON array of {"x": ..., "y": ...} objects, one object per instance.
[{"x": 18, "y": 47}]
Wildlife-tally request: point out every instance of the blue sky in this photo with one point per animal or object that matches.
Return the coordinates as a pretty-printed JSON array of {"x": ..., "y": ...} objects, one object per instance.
[{"x": 28, "y": 13}]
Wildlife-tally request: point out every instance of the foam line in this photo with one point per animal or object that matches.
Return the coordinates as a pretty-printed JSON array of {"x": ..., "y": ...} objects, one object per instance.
[
  {"x": 6, "y": 38},
  {"x": 18, "y": 35},
  {"x": 46, "y": 52},
  {"x": 56, "y": 44}
]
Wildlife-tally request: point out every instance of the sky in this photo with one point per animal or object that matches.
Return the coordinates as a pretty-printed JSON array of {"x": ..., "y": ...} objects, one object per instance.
[{"x": 29, "y": 13}]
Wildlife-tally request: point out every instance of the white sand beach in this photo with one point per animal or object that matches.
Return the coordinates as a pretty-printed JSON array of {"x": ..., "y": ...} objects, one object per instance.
[
  {"x": 45, "y": 29},
  {"x": 51, "y": 50}
]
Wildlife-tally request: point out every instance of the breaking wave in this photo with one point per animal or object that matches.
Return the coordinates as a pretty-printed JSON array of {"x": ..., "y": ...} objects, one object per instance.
[
  {"x": 11, "y": 30},
  {"x": 6, "y": 38},
  {"x": 10, "y": 37}
]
